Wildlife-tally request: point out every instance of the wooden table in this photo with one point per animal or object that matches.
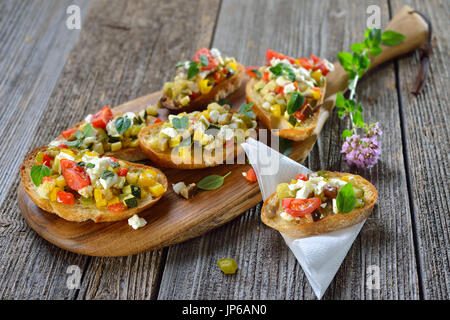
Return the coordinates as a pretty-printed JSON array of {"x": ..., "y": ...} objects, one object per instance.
[{"x": 51, "y": 77}]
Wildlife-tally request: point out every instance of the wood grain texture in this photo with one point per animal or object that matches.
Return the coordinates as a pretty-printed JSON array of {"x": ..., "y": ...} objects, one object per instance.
[
  {"x": 427, "y": 132},
  {"x": 34, "y": 46},
  {"x": 268, "y": 270}
]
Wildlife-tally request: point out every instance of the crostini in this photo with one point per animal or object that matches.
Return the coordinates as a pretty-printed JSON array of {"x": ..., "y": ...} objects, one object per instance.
[
  {"x": 198, "y": 139},
  {"x": 80, "y": 185},
  {"x": 208, "y": 77},
  {"x": 319, "y": 203},
  {"x": 287, "y": 93},
  {"x": 107, "y": 133}
]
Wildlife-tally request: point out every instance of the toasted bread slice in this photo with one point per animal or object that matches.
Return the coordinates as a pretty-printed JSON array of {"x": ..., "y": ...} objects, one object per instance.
[
  {"x": 285, "y": 129},
  {"x": 270, "y": 213},
  {"x": 168, "y": 160},
  {"x": 221, "y": 91},
  {"x": 79, "y": 212}
]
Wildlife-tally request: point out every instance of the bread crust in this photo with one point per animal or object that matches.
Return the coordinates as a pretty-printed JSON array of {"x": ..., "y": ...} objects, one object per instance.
[
  {"x": 166, "y": 159},
  {"x": 221, "y": 91},
  {"x": 79, "y": 212},
  {"x": 326, "y": 224},
  {"x": 299, "y": 133}
]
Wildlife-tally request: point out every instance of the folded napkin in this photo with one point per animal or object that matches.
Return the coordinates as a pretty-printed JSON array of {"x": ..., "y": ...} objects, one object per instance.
[{"x": 320, "y": 256}]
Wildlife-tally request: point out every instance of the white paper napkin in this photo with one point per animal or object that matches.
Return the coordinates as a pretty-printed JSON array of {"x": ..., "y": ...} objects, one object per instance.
[{"x": 320, "y": 256}]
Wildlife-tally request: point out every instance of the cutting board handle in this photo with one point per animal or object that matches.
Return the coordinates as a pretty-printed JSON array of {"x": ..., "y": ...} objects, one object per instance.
[{"x": 406, "y": 22}]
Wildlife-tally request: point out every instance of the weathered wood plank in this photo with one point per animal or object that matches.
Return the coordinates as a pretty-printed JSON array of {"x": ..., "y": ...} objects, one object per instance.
[
  {"x": 426, "y": 121},
  {"x": 34, "y": 46},
  {"x": 268, "y": 270}
]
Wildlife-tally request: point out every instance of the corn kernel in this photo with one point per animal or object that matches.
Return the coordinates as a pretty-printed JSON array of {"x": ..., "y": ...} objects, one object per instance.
[
  {"x": 233, "y": 65},
  {"x": 157, "y": 190},
  {"x": 144, "y": 194}
]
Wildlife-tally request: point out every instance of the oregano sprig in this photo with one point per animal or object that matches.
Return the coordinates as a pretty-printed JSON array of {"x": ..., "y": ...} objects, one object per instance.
[{"x": 362, "y": 152}]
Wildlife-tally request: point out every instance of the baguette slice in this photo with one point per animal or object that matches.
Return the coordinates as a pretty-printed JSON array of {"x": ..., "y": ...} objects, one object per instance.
[
  {"x": 221, "y": 91},
  {"x": 167, "y": 160},
  {"x": 79, "y": 212},
  {"x": 307, "y": 228},
  {"x": 285, "y": 130}
]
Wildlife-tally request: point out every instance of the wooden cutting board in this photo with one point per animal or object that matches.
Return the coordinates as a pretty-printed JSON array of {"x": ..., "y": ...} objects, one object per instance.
[{"x": 174, "y": 219}]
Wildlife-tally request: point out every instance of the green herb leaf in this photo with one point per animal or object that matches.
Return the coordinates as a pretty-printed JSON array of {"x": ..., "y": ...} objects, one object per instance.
[
  {"x": 391, "y": 38},
  {"x": 180, "y": 123},
  {"x": 346, "y": 200},
  {"x": 90, "y": 165},
  {"x": 79, "y": 134},
  {"x": 88, "y": 130},
  {"x": 285, "y": 146},
  {"x": 38, "y": 172},
  {"x": 296, "y": 101},
  {"x": 257, "y": 73},
  {"x": 375, "y": 36},
  {"x": 193, "y": 70},
  {"x": 358, "y": 119},
  {"x": 106, "y": 174},
  {"x": 204, "y": 60},
  {"x": 225, "y": 101},
  {"x": 212, "y": 182},
  {"x": 122, "y": 124},
  {"x": 345, "y": 59},
  {"x": 114, "y": 164},
  {"x": 347, "y": 133},
  {"x": 246, "y": 109},
  {"x": 283, "y": 69},
  {"x": 375, "y": 50},
  {"x": 180, "y": 64},
  {"x": 357, "y": 47},
  {"x": 74, "y": 144}
]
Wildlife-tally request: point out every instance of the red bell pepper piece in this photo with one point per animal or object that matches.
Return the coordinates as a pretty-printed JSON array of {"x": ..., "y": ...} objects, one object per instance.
[
  {"x": 117, "y": 207},
  {"x": 68, "y": 133},
  {"x": 301, "y": 177},
  {"x": 65, "y": 197},
  {"x": 265, "y": 76},
  {"x": 122, "y": 172},
  {"x": 46, "y": 161}
]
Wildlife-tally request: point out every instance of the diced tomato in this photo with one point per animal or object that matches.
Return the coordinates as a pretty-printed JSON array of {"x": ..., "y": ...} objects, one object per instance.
[
  {"x": 251, "y": 72},
  {"x": 299, "y": 115},
  {"x": 300, "y": 207},
  {"x": 217, "y": 76},
  {"x": 314, "y": 58},
  {"x": 122, "y": 172},
  {"x": 265, "y": 76},
  {"x": 47, "y": 179},
  {"x": 279, "y": 90},
  {"x": 65, "y": 197},
  {"x": 63, "y": 146},
  {"x": 212, "y": 62},
  {"x": 68, "y": 133},
  {"x": 157, "y": 120},
  {"x": 75, "y": 176},
  {"x": 194, "y": 95},
  {"x": 322, "y": 67},
  {"x": 270, "y": 54},
  {"x": 250, "y": 175},
  {"x": 301, "y": 177},
  {"x": 305, "y": 63},
  {"x": 114, "y": 159},
  {"x": 102, "y": 117},
  {"x": 117, "y": 207},
  {"x": 47, "y": 160}
]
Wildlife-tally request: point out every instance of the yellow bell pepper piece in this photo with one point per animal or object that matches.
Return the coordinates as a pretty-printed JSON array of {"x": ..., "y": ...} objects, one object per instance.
[
  {"x": 204, "y": 86},
  {"x": 68, "y": 151},
  {"x": 174, "y": 141},
  {"x": 316, "y": 94},
  {"x": 60, "y": 182},
  {"x": 233, "y": 65},
  {"x": 316, "y": 75},
  {"x": 53, "y": 193},
  {"x": 157, "y": 190},
  {"x": 91, "y": 154},
  {"x": 276, "y": 110},
  {"x": 99, "y": 201},
  {"x": 146, "y": 179},
  {"x": 113, "y": 201}
]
